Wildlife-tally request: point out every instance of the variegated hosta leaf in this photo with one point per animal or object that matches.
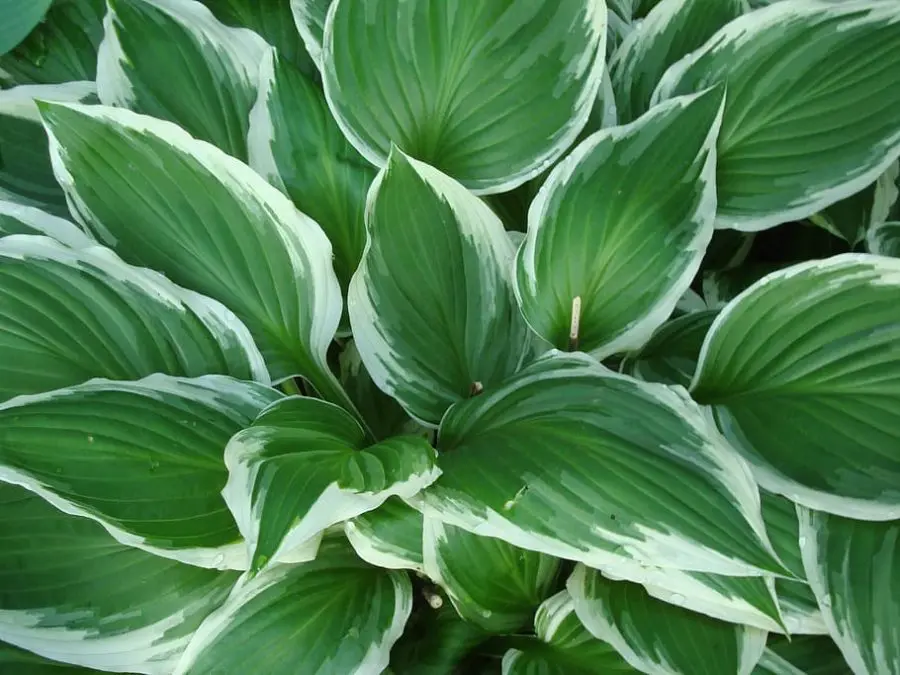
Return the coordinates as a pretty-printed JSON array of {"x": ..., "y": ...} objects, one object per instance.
[
  {"x": 670, "y": 355},
  {"x": 854, "y": 570},
  {"x": 884, "y": 239},
  {"x": 19, "y": 18},
  {"x": 673, "y": 29},
  {"x": 103, "y": 303},
  {"x": 335, "y": 615},
  {"x": 563, "y": 646},
  {"x": 813, "y": 403},
  {"x": 431, "y": 305},
  {"x": 62, "y": 48},
  {"x": 296, "y": 145},
  {"x": 573, "y": 460},
  {"x": 490, "y": 582},
  {"x": 490, "y": 93},
  {"x": 802, "y": 655},
  {"x": 780, "y": 158},
  {"x": 391, "y": 536},
  {"x": 304, "y": 465},
  {"x": 309, "y": 16},
  {"x": 621, "y": 229},
  {"x": 142, "y": 458},
  {"x": 21, "y": 662},
  {"x": 20, "y": 219},
  {"x": 26, "y": 176},
  {"x": 659, "y": 638},
  {"x": 174, "y": 60},
  {"x": 435, "y": 642},
  {"x": 70, "y": 592},
  {"x": 167, "y": 201}
]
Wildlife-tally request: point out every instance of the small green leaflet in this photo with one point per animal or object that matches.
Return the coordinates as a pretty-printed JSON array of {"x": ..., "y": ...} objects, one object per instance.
[
  {"x": 143, "y": 458},
  {"x": 174, "y": 60},
  {"x": 19, "y": 18},
  {"x": 103, "y": 303},
  {"x": 303, "y": 466},
  {"x": 780, "y": 156},
  {"x": 616, "y": 234},
  {"x": 19, "y": 219},
  {"x": 508, "y": 472},
  {"x": 335, "y": 615},
  {"x": 884, "y": 239},
  {"x": 428, "y": 334},
  {"x": 490, "y": 93},
  {"x": 72, "y": 593},
  {"x": 492, "y": 584},
  {"x": 812, "y": 403},
  {"x": 391, "y": 536},
  {"x": 659, "y": 638},
  {"x": 854, "y": 570}
]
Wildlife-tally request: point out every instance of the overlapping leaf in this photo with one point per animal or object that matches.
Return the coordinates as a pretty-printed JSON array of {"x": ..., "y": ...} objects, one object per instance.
[
  {"x": 884, "y": 239},
  {"x": 391, "y": 536},
  {"x": 19, "y": 219},
  {"x": 309, "y": 17},
  {"x": 19, "y": 17}
]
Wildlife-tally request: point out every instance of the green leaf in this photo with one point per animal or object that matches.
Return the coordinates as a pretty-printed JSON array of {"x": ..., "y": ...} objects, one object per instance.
[
  {"x": 62, "y": 48},
  {"x": 390, "y": 536},
  {"x": 19, "y": 219},
  {"x": 802, "y": 655},
  {"x": 573, "y": 460},
  {"x": 296, "y": 145},
  {"x": 854, "y": 570},
  {"x": 332, "y": 616},
  {"x": 435, "y": 642},
  {"x": 670, "y": 356},
  {"x": 884, "y": 239},
  {"x": 144, "y": 459},
  {"x": 174, "y": 60},
  {"x": 673, "y": 29},
  {"x": 26, "y": 176},
  {"x": 428, "y": 334},
  {"x": 493, "y": 584},
  {"x": 658, "y": 637},
  {"x": 813, "y": 404},
  {"x": 103, "y": 304},
  {"x": 304, "y": 465},
  {"x": 72, "y": 593},
  {"x": 722, "y": 286},
  {"x": 27, "y": 663},
  {"x": 816, "y": 128},
  {"x": 167, "y": 201},
  {"x": 17, "y": 19},
  {"x": 309, "y": 16},
  {"x": 490, "y": 93},
  {"x": 563, "y": 646},
  {"x": 622, "y": 229}
]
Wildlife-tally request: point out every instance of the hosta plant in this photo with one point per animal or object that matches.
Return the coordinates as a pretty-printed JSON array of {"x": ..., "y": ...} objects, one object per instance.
[{"x": 433, "y": 337}]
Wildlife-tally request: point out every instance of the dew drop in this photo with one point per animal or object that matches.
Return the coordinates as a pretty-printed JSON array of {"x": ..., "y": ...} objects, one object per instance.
[
  {"x": 677, "y": 599},
  {"x": 802, "y": 541},
  {"x": 90, "y": 439}
]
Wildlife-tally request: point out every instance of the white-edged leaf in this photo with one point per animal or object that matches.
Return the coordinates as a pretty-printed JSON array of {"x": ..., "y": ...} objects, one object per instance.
[
  {"x": 884, "y": 239},
  {"x": 621, "y": 228},
  {"x": 309, "y": 16},
  {"x": 20, "y": 219},
  {"x": 802, "y": 655},
  {"x": 390, "y": 536},
  {"x": 142, "y": 458}
]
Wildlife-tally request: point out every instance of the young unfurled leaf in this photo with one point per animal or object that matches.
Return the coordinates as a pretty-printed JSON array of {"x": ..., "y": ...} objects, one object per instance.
[
  {"x": 802, "y": 374},
  {"x": 490, "y": 93},
  {"x": 71, "y": 592},
  {"x": 143, "y": 458},
  {"x": 622, "y": 229},
  {"x": 810, "y": 116}
]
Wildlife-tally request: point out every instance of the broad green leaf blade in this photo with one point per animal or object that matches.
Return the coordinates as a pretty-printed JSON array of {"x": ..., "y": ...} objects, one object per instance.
[
  {"x": 657, "y": 637},
  {"x": 428, "y": 333},
  {"x": 144, "y": 459},
  {"x": 332, "y": 616},
  {"x": 491, "y": 583},
  {"x": 780, "y": 158},
  {"x": 884, "y": 239},
  {"x": 72, "y": 593},
  {"x": 21, "y": 662},
  {"x": 673, "y": 29},
  {"x": 17, "y": 19},
  {"x": 621, "y": 229},
  {"x": 813, "y": 404},
  {"x": 19, "y": 219},
  {"x": 309, "y": 17},
  {"x": 802, "y": 655},
  {"x": 854, "y": 570},
  {"x": 563, "y": 646},
  {"x": 303, "y": 466},
  {"x": 103, "y": 303},
  {"x": 670, "y": 355},
  {"x": 508, "y": 472},
  {"x": 167, "y": 201},
  {"x": 62, "y": 48},
  {"x": 391, "y": 536},
  {"x": 490, "y": 93},
  {"x": 26, "y": 176},
  {"x": 435, "y": 643},
  {"x": 296, "y": 145},
  {"x": 174, "y": 60}
]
